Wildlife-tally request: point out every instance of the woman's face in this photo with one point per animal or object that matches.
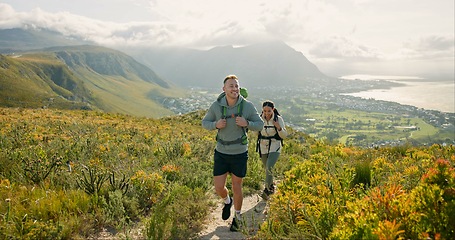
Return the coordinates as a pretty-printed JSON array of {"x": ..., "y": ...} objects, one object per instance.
[{"x": 268, "y": 112}]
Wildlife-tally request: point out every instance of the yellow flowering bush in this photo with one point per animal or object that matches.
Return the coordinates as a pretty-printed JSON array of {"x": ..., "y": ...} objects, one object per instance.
[{"x": 412, "y": 196}]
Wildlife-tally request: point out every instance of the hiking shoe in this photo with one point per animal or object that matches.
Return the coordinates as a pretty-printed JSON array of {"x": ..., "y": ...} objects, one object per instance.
[
  {"x": 235, "y": 226},
  {"x": 266, "y": 193},
  {"x": 271, "y": 189},
  {"x": 227, "y": 210}
]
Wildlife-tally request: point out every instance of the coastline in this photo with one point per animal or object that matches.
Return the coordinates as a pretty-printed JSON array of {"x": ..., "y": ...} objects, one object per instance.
[{"x": 418, "y": 92}]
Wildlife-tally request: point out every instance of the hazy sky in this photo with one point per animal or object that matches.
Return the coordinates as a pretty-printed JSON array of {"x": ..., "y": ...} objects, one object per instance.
[{"x": 342, "y": 37}]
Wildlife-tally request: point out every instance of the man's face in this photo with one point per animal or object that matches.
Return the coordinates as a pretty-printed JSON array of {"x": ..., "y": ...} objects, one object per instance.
[{"x": 231, "y": 88}]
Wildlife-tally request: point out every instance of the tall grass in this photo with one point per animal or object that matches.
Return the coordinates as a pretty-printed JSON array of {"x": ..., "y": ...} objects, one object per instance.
[{"x": 122, "y": 168}]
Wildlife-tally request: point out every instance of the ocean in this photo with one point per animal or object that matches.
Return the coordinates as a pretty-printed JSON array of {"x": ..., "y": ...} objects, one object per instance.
[{"x": 430, "y": 95}]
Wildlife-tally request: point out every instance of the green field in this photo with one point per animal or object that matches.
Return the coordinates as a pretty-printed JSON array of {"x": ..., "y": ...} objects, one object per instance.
[{"x": 322, "y": 119}]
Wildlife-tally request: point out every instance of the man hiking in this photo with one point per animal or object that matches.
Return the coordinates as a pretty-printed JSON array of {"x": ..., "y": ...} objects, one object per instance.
[{"x": 231, "y": 115}]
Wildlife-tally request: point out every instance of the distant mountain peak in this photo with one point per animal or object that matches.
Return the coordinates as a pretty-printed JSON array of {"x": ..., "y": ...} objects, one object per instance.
[
  {"x": 259, "y": 64},
  {"x": 27, "y": 39}
]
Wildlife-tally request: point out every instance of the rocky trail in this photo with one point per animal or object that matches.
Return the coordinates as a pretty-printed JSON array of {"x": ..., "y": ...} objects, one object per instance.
[{"x": 253, "y": 213}]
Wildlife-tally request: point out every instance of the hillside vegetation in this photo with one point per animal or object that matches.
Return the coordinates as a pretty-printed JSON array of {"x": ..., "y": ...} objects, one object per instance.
[
  {"x": 83, "y": 77},
  {"x": 70, "y": 174},
  {"x": 38, "y": 82}
]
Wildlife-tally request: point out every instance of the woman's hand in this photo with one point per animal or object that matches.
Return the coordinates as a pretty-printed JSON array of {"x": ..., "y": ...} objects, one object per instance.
[{"x": 277, "y": 125}]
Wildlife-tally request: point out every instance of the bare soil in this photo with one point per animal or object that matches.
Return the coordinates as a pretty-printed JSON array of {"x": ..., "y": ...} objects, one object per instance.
[{"x": 253, "y": 212}]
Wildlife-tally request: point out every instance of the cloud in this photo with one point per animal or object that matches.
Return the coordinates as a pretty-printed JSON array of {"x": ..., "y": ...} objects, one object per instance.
[
  {"x": 63, "y": 22},
  {"x": 436, "y": 43},
  {"x": 432, "y": 46},
  {"x": 244, "y": 22},
  {"x": 102, "y": 32},
  {"x": 8, "y": 17},
  {"x": 202, "y": 23},
  {"x": 339, "y": 47},
  {"x": 197, "y": 23},
  {"x": 348, "y": 32}
]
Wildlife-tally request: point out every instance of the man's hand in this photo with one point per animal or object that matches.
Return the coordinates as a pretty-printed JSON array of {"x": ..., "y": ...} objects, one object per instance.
[
  {"x": 241, "y": 122},
  {"x": 220, "y": 123}
]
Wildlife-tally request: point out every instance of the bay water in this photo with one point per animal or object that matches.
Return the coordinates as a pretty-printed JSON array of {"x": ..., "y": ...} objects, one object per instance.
[{"x": 429, "y": 95}]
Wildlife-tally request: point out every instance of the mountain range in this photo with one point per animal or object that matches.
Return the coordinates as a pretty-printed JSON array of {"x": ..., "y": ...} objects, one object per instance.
[
  {"x": 264, "y": 64},
  {"x": 135, "y": 80},
  {"x": 16, "y": 39}
]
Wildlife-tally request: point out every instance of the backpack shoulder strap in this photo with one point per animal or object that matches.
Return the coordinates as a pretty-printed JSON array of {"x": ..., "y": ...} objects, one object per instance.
[
  {"x": 277, "y": 136},
  {"x": 240, "y": 108},
  {"x": 223, "y": 111}
]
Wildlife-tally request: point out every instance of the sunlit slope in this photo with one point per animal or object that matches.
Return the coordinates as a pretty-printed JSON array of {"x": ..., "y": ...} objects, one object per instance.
[
  {"x": 35, "y": 82},
  {"x": 101, "y": 78}
]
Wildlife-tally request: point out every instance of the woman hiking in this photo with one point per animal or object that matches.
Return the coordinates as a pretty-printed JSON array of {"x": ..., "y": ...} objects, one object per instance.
[{"x": 270, "y": 143}]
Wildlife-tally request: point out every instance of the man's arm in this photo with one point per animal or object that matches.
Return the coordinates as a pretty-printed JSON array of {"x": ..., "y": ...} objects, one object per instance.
[
  {"x": 255, "y": 122},
  {"x": 209, "y": 120}
]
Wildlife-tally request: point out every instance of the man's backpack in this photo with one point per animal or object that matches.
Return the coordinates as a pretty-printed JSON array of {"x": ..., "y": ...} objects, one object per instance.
[
  {"x": 244, "y": 138},
  {"x": 238, "y": 114}
]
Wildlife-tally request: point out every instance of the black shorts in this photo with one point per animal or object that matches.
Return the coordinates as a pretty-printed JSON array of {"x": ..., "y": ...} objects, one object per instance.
[{"x": 235, "y": 164}]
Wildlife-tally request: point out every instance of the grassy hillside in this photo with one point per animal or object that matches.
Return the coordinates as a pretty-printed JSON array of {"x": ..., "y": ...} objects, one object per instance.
[
  {"x": 41, "y": 82},
  {"x": 83, "y": 77},
  {"x": 69, "y": 174}
]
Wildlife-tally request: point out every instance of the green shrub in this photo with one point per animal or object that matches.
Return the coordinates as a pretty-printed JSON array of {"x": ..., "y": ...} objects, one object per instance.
[
  {"x": 389, "y": 211},
  {"x": 147, "y": 188},
  {"x": 36, "y": 213},
  {"x": 362, "y": 175},
  {"x": 92, "y": 178},
  {"x": 180, "y": 214}
]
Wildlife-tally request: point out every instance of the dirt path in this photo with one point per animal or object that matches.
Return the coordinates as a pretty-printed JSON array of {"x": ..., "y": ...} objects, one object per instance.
[{"x": 253, "y": 213}]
